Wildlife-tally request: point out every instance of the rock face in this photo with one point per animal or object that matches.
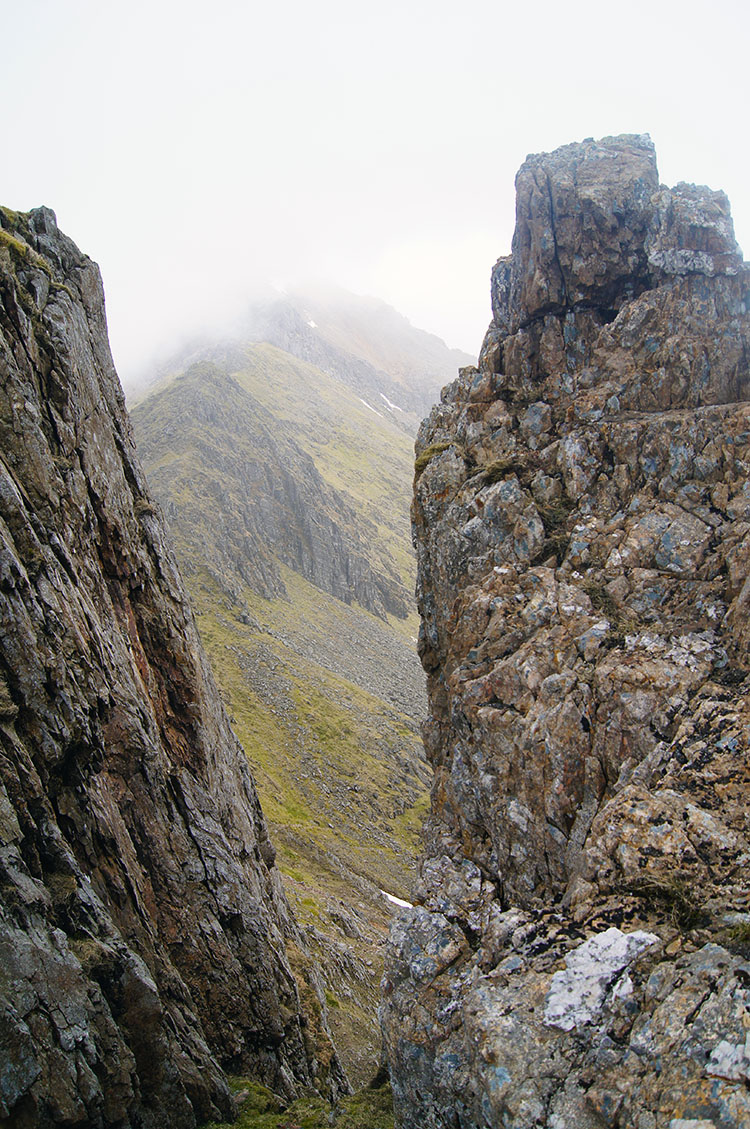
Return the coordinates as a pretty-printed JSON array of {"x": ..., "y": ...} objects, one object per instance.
[
  {"x": 145, "y": 942},
  {"x": 581, "y": 952}
]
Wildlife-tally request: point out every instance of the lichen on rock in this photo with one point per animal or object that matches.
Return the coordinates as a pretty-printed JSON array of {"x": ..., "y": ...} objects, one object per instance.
[{"x": 582, "y": 535}]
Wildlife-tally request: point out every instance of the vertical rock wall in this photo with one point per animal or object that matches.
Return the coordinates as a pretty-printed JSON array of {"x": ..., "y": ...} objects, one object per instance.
[
  {"x": 580, "y": 951},
  {"x": 145, "y": 942}
]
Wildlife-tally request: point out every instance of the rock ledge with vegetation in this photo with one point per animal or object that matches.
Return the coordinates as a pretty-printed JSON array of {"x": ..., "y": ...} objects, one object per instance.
[{"x": 579, "y": 954}]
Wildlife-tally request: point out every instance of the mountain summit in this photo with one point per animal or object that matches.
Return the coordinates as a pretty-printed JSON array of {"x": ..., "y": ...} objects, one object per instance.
[{"x": 364, "y": 343}]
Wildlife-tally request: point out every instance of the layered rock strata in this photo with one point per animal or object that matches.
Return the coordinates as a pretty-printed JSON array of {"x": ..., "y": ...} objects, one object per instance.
[
  {"x": 145, "y": 941},
  {"x": 580, "y": 951}
]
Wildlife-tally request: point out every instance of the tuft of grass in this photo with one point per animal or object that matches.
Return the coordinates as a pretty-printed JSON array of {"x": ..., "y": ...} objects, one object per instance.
[
  {"x": 554, "y": 519},
  {"x": 501, "y": 469},
  {"x": 671, "y": 895},
  {"x": 555, "y": 514},
  {"x": 428, "y": 455},
  {"x": 737, "y": 939},
  {"x": 621, "y": 622},
  {"x": 259, "y": 1108},
  {"x": 602, "y": 600},
  {"x": 20, "y": 249}
]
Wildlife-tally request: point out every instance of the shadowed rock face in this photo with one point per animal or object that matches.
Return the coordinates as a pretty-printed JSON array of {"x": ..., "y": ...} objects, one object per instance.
[
  {"x": 580, "y": 953},
  {"x": 145, "y": 942}
]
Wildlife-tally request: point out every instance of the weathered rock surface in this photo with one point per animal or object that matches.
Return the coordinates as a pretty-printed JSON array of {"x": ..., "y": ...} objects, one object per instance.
[
  {"x": 145, "y": 942},
  {"x": 579, "y": 956}
]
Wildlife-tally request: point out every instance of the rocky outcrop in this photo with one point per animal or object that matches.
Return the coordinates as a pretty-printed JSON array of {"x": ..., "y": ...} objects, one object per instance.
[
  {"x": 580, "y": 953},
  {"x": 145, "y": 942}
]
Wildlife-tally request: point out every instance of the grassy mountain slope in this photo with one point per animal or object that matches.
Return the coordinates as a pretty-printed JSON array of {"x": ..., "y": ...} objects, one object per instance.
[{"x": 288, "y": 499}]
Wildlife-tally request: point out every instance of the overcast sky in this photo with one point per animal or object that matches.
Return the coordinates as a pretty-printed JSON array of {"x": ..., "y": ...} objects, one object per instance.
[{"x": 197, "y": 150}]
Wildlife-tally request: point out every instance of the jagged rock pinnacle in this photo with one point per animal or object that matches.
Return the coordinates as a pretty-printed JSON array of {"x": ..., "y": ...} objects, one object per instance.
[{"x": 582, "y": 522}]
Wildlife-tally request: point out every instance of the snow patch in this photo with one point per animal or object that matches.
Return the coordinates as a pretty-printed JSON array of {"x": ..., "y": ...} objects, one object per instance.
[
  {"x": 577, "y": 992},
  {"x": 377, "y": 413},
  {"x": 396, "y": 901},
  {"x": 394, "y": 407},
  {"x": 312, "y": 324}
]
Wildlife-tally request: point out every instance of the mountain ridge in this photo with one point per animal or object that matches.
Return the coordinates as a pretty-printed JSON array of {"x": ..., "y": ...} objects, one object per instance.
[
  {"x": 307, "y": 520},
  {"x": 363, "y": 342}
]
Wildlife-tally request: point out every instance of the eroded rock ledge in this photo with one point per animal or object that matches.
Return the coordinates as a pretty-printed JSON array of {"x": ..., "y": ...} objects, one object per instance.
[
  {"x": 580, "y": 953},
  {"x": 145, "y": 941}
]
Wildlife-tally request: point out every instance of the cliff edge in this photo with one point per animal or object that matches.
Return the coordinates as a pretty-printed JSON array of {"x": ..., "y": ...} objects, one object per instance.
[
  {"x": 580, "y": 951},
  {"x": 145, "y": 941}
]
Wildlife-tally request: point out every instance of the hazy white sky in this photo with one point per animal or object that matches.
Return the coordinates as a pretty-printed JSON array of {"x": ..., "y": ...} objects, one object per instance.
[{"x": 196, "y": 150}]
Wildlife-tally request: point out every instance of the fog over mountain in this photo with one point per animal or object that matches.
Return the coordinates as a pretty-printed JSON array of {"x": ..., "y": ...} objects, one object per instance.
[
  {"x": 357, "y": 339},
  {"x": 198, "y": 151}
]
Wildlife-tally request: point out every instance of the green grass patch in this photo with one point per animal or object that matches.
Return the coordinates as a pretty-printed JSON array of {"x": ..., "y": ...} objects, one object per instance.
[
  {"x": 425, "y": 458},
  {"x": 335, "y": 753},
  {"x": 258, "y": 1108},
  {"x": 292, "y": 872}
]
